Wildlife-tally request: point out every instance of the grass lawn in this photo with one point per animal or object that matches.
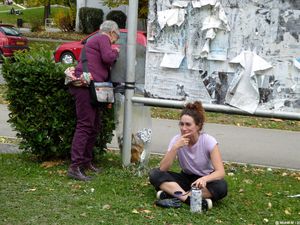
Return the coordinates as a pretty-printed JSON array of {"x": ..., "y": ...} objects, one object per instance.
[
  {"x": 238, "y": 120},
  {"x": 7, "y": 8},
  {"x": 34, "y": 193}
]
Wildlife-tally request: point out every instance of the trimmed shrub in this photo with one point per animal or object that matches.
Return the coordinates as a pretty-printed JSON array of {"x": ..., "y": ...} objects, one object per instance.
[
  {"x": 37, "y": 25},
  {"x": 41, "y": 109},
  {"x": 90, "y": 19},
  {"x": 65, "y": 20},
  {"x": 118, "y": 16}
]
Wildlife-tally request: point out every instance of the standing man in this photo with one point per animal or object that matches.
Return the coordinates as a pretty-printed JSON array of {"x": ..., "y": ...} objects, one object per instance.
[{"x": 100, "y": 57}]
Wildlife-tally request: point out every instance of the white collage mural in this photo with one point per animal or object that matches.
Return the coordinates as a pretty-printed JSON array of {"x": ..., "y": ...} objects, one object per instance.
[{"x": 242, "y": 53}]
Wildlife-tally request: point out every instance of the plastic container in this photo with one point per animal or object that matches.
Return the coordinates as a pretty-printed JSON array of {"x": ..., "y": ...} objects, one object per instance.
[{"x": 196, "y": 200}]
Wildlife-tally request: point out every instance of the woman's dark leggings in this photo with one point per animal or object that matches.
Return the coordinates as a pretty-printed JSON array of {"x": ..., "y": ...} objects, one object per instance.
[{"x": 217, "y": 188}]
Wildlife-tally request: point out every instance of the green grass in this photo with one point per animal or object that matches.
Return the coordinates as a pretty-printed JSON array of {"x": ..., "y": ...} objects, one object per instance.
[
  {"x": 238, "y": 120},
  {"x": 29, "y": 15},
  {"x": 32, "y": 193},
  {"x": 7, "y": 8}
]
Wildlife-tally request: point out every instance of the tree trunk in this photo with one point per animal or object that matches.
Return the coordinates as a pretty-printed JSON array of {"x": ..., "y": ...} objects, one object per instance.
[{"x": 47, "y": 10}]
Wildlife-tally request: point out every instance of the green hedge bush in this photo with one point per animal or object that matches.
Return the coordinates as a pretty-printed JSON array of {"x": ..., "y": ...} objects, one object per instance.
[
  {"x": 41, "y": 109},
  {"x": 90, "y": 19},
  {"x": 119, "y": 17}
]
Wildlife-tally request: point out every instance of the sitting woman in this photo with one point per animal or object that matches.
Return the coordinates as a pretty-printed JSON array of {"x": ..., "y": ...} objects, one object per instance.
[{"x": 199, "y": 158}]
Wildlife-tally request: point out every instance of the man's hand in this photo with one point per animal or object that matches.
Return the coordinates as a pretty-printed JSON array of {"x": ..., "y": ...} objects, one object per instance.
[{"x": 77, "y": 83}]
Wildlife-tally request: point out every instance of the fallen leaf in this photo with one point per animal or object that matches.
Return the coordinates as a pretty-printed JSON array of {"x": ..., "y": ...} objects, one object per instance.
[
  {"x": 259, "y": 185},
  {"x": 265, "y": 220},
  {"x": 258, "y": 170},
  {"x": 32, "y": 189},
  {"x": 106, "y": 206},
  {"x": 135, "y": 211},
  {"x": 241, "y": 190},
  {"x": 76, "y": 186},
  {"x": 145, "y": 211},
  {"x": 248, "y": 181},
  {"x": 269, "y": 194},
  {"x": 276, "y": 120},
  {"x": 149, "y": 217},
  {"x": 146, "y": 183},
  {"x": 83, "y": 214},
  {"x": 269, "y": 205},
  {"x": 49, "y": 164},
  {"x": 62, "y": 172},
  {"x": 245, "y": 170},
  {"x": 287, "y": 211}
]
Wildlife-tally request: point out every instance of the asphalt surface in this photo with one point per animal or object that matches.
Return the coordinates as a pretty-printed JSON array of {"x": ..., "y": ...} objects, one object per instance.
[{"x": 265, "y": 147}]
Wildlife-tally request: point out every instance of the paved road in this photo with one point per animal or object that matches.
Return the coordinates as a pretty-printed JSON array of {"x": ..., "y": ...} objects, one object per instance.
[{"x": 274, "y": 148}]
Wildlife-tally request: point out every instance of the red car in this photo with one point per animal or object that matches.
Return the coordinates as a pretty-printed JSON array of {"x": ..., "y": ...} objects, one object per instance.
[
  {"x": 70, "y": 51},
  {"x": 11, "y": 40}
]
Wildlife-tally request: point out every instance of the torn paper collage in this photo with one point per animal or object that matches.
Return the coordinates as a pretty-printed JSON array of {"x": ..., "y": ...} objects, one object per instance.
[{"x": 204, "y": 41}]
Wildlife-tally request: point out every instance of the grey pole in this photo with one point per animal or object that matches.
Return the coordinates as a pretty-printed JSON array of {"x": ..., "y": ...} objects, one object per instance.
[
  {"x": 130, "y": 79},
  {"x": 216, "y": 108}
]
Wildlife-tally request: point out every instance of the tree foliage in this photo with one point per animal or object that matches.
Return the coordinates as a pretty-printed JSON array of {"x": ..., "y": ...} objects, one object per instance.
[{"x": 143, "y": 6}]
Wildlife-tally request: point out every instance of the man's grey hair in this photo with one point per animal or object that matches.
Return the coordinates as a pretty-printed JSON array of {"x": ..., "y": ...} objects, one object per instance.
[{"x": 109, "y": 26}]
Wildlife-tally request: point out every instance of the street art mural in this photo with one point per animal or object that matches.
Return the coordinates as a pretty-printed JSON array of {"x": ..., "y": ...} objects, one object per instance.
[{"x": 242, "y": 53}]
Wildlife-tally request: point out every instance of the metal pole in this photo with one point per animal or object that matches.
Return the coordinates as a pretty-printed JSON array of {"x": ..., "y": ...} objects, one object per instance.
[
  {"x": 217, "y": 108},
  {"x": 130, "y": 79}
]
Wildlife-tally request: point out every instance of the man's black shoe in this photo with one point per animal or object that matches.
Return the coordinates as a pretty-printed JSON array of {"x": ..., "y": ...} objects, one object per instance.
[
  {"x": 92, "y": 168},
  {"x": 75, "y": 173}
]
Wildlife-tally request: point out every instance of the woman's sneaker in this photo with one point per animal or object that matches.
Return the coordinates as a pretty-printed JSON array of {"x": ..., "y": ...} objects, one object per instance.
[
  {"x": 206, "y": 204},
  {"x": 163, "y": 195}
]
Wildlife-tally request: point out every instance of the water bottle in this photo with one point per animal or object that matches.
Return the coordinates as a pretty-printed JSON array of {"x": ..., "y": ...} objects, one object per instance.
[{"x": 196, "y": 200}]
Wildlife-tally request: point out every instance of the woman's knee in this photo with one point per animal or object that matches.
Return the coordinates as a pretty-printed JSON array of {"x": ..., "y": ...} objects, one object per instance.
[
  {"x": 218, "y": 189},
  {"x": 154, "y": 174},
  {"x": 223, "y": 189}
]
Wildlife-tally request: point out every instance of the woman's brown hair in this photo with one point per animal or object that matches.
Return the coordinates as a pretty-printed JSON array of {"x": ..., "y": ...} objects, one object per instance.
[{"x": 196, "y": 111}]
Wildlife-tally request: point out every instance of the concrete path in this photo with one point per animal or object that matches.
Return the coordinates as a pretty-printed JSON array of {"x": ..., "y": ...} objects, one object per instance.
[{"x": 274, "y": 148}]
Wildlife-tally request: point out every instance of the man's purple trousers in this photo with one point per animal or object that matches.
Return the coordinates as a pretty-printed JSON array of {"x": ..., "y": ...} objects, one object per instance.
[{"x": 87, "y": 127}]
